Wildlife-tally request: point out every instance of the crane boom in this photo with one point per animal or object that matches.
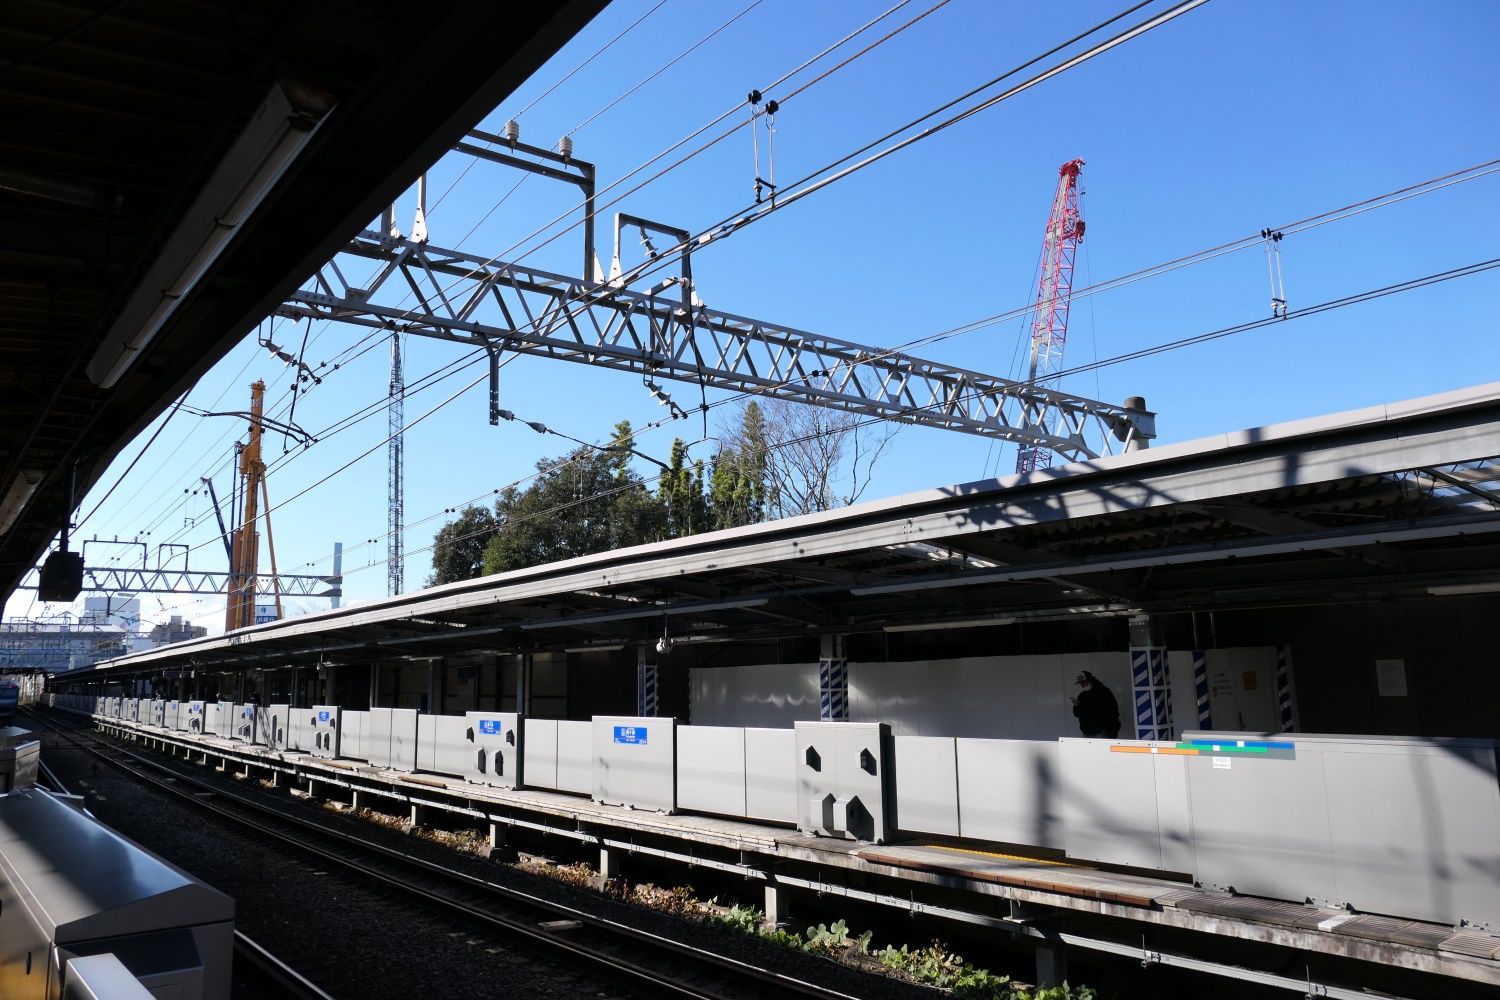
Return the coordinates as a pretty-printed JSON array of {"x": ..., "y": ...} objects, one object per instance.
[
  {"x": 1049, "y": 322},
  {"x": 245, "y": 549}
]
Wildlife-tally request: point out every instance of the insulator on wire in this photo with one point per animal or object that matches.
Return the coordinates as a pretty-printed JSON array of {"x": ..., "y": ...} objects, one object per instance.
[
  {"x": 512, "y": 131},
  {"x": 565, "y": 147}
]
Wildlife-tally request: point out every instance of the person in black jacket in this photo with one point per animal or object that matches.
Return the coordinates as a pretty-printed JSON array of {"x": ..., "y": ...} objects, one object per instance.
[{"x": 1095, "y": 708}]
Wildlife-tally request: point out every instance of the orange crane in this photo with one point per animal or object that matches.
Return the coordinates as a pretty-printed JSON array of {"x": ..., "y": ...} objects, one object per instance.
[{"x": 244, "y": 548}]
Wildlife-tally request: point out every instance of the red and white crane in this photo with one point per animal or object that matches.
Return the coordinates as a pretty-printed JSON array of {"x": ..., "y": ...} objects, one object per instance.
[{"x": 1049, "y": 323}]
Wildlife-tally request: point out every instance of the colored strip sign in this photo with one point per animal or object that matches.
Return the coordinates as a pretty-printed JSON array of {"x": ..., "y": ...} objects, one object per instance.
[
  {"x": 489, "y": 727},
  {"x": 1262, "y": 749},
  {"x": 325, "y": 716},
  {"x": 631, "y": 734}
]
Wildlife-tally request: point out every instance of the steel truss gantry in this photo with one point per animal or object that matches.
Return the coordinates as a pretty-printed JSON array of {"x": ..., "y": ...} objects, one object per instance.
[
  {"x": 666, "y": 332},
  {"x": 137, "y": 580}
]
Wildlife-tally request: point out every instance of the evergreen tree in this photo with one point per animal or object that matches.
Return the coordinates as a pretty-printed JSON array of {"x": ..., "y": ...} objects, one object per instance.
[{"x": 458, "y": 549}]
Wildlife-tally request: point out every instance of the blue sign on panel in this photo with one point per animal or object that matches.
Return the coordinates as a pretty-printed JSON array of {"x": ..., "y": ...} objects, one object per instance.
[
  {"x": 631, "y": 734},
  {"x": 325, "y": 716},
  {"x": 489, "y": 727}
]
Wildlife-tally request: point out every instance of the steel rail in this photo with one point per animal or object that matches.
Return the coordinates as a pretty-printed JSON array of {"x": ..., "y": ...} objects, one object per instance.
[
  {"x": 604, "y": 964},
  {"x": 287, "y": 980}
]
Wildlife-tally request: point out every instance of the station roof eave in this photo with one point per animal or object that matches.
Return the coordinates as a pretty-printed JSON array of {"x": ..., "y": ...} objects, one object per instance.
[
  {"x": 123, "y": 120},
  {"x": 1400, "y": 500}
]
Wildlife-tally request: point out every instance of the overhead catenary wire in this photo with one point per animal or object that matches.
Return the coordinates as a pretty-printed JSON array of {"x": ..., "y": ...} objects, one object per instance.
[
  {"x": 1369, "y": 295},
  {"x": 1303, "y": 313},
  {"x": 785, "y": 76},
  {"x": 1323, "y": 218}
]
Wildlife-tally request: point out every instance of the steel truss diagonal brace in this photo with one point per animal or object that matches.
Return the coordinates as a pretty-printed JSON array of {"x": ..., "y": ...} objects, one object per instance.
[
  {"x": 468, "y": 299},
  {"x": 181, "y": 581}
]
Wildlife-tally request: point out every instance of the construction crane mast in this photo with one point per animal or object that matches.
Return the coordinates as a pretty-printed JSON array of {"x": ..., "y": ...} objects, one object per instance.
[
  {"x": 1049, "y": 323},
  {"x": 244, "y": 548}
]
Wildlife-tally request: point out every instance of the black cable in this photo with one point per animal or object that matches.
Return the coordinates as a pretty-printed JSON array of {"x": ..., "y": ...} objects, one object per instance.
[{"x": 155, "y": 434}]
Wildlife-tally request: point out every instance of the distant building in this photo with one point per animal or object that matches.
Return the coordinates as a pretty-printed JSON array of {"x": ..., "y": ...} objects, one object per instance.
[
  {"x": 59, "y": 645},
  {"x": 111, "y": 609},
  {"x": 176, "y": 630}
]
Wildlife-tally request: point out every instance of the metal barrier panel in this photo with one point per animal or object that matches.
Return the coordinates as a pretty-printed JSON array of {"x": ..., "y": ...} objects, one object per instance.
[
  {"x": 490, "y": 753},
  {"x": 926, "y": 775},
  {"x": 299, "y": 729},
  {"x": 842, "y": 778},
  {"x": 158, "y": 712},
  {"x": 1408, "y": 824},
  {"x": 771, "y": 774},
  {"x": 194, "y": 717},
  {"x": 575, "y": 756},
  {"x": 1010, "y": 791},
  {"x": 1125, "y": 802},
  {"x": 169, "y": 715},
  {"x": 244, "y": 722},
  {"x": 540, "y": 752},
  {"x": 271, "y": 726},
  {"x": 354, "y": 740},
  {"x": 426, "y": 743},
  {"x": 229, "y": 714},
  {"x": 450, "y": 745},
  {"x": 711, "y": 769},
  {"x": 323, "y": 732},
  {"x": 392, "y": 738},
  {"x": 634, "y": 761}
]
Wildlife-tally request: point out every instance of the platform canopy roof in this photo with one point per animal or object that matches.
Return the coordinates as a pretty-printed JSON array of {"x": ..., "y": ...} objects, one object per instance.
[
  {"x": 1397, "y": 501},
  {"x": 153, "y": 209}
]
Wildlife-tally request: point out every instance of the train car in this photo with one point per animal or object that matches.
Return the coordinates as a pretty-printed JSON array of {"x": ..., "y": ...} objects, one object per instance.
[{"x": 10, "y": 698}]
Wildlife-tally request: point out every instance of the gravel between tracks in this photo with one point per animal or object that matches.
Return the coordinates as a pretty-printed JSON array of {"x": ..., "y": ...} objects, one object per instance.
[{"x": 362, "y": 943}]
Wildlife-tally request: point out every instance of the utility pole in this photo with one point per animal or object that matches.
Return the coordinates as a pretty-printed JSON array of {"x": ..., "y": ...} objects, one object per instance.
[
  {"x": 396, "y": 482},
  {"x": 1049, "y": 323}
]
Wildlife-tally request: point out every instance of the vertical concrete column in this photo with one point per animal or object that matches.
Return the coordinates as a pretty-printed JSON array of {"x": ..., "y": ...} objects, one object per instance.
[
  {"x": 778, "y": 905},
  {"x": 833, "y": 680},
  {"x": 609, "y": 863},
  {"x": 645, "y": 682},
  {"x": 1051, "y": 964},
  {"x": 418, "y": 816}
]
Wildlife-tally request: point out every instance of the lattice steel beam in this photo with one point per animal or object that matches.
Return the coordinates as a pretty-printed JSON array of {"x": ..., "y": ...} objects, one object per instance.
[
  {"x": 470, "y": 299},
  {"x": 184, "y": 581}
]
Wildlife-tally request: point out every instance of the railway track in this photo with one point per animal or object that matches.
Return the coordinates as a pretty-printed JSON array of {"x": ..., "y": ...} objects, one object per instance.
[
  {"x": 270, "y": 971},
  {"x": 634, "y": 959}
]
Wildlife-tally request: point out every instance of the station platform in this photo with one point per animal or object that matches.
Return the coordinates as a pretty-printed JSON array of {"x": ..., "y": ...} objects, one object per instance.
[{"x": 1019, "y": 894}]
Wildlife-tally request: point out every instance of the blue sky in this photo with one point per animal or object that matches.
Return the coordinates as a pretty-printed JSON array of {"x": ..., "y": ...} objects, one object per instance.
[{"x": 1237, "y": 116}]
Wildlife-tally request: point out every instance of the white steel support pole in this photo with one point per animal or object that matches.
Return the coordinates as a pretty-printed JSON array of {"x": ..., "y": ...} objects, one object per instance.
[
  {"x": 645, "y": 683},
  {"x": 833, "y": 680}
]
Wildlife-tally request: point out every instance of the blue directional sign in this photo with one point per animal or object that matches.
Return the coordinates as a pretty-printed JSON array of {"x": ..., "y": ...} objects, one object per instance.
[
  {"x": 490, "y": 727},
  {"x": 631, "y": 734},
  {"x": 325, "y": 716}
]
